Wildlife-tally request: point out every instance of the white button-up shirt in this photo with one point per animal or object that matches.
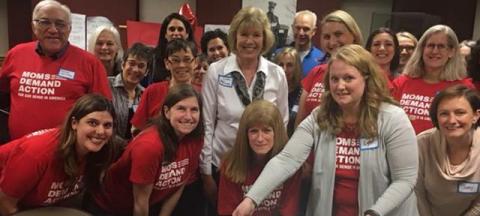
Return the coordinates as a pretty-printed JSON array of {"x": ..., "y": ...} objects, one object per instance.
[{"x": 222, "y": 107}]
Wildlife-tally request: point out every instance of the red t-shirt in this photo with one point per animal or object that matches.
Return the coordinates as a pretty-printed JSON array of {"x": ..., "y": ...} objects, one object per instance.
[
  {"x": 347, "y": 173},
  {"x": 34, "y": 174},
  {"x": 42, "y": 90},
  {"x": 142, "y": 163},
  {"x": 150, "y": 103},
  {"x": 283, "y": 200},
  {"x": 313, "y": 85},
  {"x": 416, "y": 96}
]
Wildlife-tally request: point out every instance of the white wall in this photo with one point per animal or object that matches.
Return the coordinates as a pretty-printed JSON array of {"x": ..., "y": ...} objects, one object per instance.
[
  {"x": 156, "y": 10},
  {"x": 362, "y": 11},
  {"x": 3, "y": 28}
]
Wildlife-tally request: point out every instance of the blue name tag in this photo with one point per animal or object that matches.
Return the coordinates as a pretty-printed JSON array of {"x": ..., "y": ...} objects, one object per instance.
[
  {"x": 66, "y": 74},
  {"x": 468, "y": 187},
  {"x": 225, "y": 80},
  {"x": 366, "y": 145}
]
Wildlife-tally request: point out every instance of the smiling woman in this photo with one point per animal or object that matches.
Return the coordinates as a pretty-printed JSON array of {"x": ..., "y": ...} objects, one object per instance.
[
  {"x": 158, "y": 163},
  {"x": 58, "y": 158},
  {"x": 105, "y": 44},
  {"x": 449, "y": 173},
  {"x": 233, "y": 83},
  {"x": 435, "y": 64}
]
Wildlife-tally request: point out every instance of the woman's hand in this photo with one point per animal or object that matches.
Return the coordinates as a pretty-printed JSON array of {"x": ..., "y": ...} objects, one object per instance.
[
  {"x": 210, "y": 188},
  {"x": 245, "y": 208}
]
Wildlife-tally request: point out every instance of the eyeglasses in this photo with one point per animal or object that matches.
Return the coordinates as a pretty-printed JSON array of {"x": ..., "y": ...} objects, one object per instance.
[
  {"x": 177, "y": 61},
  {"x": 440, "y": 47},
  {"x": 46, "y": 23},
  {"x": 407, "y": 48}
]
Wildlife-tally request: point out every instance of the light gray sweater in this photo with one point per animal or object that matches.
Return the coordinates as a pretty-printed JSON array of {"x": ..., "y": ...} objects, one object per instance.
[{"x": 388, "y": 166}]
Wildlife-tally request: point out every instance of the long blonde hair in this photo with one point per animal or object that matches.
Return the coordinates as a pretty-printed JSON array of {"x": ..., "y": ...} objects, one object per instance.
[
  {"x": 239, "y": 159},
  {"x": 330, "y": 116}
]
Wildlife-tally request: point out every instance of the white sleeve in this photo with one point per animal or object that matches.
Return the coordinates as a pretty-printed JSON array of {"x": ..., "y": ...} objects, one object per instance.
[{"x": 209, "y": 97}]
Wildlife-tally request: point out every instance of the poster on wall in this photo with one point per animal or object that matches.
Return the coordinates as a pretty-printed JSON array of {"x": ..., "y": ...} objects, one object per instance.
[{"x": 281, "y": 14}]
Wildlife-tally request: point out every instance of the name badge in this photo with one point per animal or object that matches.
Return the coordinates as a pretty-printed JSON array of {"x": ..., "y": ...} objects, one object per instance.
[
  {"x": 134, "y": 107},
  {"x": 66, "y": 74},
  {"x": 225, "y": 80},
  {"x": 295, "y": 108},
  {"x": 366, "y": 145},
  {"x": 467, "y": 187}
]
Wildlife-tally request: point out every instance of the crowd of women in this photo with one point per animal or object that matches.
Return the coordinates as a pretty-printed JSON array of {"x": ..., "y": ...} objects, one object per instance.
[{"x": 385, "y": 129}]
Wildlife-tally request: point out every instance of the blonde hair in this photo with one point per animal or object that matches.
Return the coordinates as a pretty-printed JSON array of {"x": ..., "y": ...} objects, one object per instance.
[
  {"x": 238, "y": 161},
  {"x": 346, "y": 19},
  {"x": 454, "y": 68},
  {"x": 330, "y": 116},
  {"x": 251, "y": 17},
  {"x": 297, "y": 67},
  {"x": 407, "y": 35}
]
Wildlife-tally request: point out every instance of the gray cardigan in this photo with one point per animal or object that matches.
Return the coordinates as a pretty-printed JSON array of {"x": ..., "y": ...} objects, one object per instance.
[{"x": 388, "y": 166}]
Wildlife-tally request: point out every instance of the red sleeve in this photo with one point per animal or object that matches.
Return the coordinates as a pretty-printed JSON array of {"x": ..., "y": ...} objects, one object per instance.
[
  {"x": 229, "y": 196},
  {"x": 100, "y": 80},
  {"x": 291, "y": 195},
  {"x": 398, "y": 86},
  {"x": 146, "y": 158},
  {"x": 20, "y": 177},
  {"x": 4, "y": 73},
  {"x": 308, "y": 81}
]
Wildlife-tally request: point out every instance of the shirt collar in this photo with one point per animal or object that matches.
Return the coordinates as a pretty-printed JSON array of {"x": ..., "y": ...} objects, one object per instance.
[
  {"x": 55, "y": 56},
  {"x": 118, "y": 83},
  {"x": 232, "y": 64}
]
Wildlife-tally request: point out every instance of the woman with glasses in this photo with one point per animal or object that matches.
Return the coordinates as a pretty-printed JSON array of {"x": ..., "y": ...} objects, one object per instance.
[
  {"x": 407, "y": 43},
  {"x": 126, "y": 88},
  {"x": 105, "y": 44},
  {"x": 181, "y": 62},
  {"x": 435, "y": 64},
  {"x": 233, "y": 83}
]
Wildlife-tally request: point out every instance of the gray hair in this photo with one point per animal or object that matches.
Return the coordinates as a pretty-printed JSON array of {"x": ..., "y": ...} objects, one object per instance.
[
  {"x": 307, "y": 13},
  {"x": 454, "y": 68},
  {"x": 92, "y": 40},
  {"x": 45, "y": 3}
]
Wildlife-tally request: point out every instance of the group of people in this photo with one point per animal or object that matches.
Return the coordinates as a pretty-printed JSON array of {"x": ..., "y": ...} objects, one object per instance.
[{"x": 385, "y": 129}]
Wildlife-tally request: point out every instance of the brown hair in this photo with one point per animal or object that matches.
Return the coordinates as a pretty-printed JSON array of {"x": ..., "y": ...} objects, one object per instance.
[{"x": 239, "y": 159}]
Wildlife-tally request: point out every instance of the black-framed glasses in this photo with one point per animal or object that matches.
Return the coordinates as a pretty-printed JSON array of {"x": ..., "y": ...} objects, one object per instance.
[
  {"x": 177, "y": 61},
  {"x": 57, "y": 24}
]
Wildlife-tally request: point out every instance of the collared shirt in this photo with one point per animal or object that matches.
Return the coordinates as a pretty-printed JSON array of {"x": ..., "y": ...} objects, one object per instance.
[
  {"x": 39, "y": 51},
  {"x": 222, "y": 107},
  {"x": 313, "y": 58},
  {"x": 122, "y": 104}
]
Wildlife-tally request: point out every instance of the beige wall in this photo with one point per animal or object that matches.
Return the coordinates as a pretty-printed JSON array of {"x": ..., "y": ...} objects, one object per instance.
[
  {"x": 362, "y": 11},
  {"x": 3, "y": 28},
  {"x": 156, "y": 10}
]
